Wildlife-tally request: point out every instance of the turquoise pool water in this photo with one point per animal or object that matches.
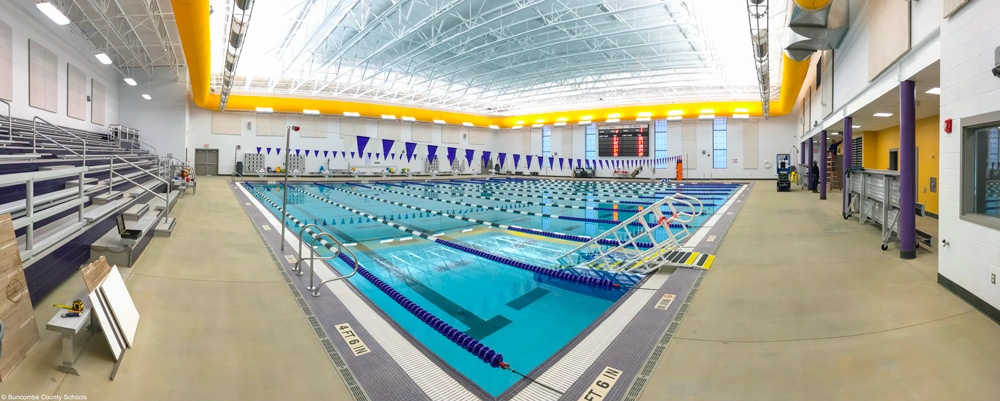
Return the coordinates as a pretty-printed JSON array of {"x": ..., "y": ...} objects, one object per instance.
[{"x": 521, "y": 314}]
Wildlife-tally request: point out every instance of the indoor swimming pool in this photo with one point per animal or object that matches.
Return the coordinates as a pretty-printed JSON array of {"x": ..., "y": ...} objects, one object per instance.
[{"x": 479, "y": 256}]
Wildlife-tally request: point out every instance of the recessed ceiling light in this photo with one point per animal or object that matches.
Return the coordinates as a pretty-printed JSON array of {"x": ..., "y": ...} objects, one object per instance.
[
  {"x": 103, "y": 58},
  {"x": 613, "y": 120},
  {"x": 310, "y": 112},
  {"x": 562, "y": 119},
  {"x": 707, "y": 111},
  {"x": 519, "y": 126},
  {"x": 642, "y": 119},
  {"x": 645, "y": 114},
  {"x": 388, "y": 116},
  {"x": 352, "y": 114},
  {"x": 706, "y": 116},
  {"x": 440, "y": 122},
  {"x": 52, "y": 12},
  {"x": 130, "y": 81},
  {"x": 934, "y": 91},
  {"x": 494, "y": 126},
  {"x": 675, "y": 118},
  {"x": 882, "y": 114},
  {"x": 519, "y": 122},
  {"x": 146, "y": 96},
  {"x": 855, "y": 126},
  {"x": 408, "y": 118},
  {"x": 586, "y": 118},
  {"x": 468, "y": 124},
  {"x": 742, "y": 110},
  {"x": 674, "y": 113},
  {"x": 559, "y": 123},
  {"x": 265, "y": 110},
  {"x": 614, "y": 115},
  {"x": 540, "y": 120},
  {"x": 741, "y": 116},
  {"x": 585, "y": 122},
  {"x": 537, "y": 125}
]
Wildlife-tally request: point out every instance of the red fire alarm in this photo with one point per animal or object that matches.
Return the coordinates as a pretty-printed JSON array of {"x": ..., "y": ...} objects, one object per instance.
[{"x": 947, "y": 126}]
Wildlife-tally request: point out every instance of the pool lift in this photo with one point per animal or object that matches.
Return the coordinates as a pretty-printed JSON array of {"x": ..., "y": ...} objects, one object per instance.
[{"x": 625, "y": 249}]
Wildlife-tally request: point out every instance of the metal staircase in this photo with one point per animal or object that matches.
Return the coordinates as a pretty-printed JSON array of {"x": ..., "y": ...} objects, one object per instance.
[{"x": 663, "y": 227}]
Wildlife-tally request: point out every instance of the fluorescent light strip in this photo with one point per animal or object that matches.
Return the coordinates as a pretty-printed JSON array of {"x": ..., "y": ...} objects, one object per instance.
[
  {"x": 707, "y": 111},
  {"x": 855, "y": 126},
  {"x": 742, "y": 110},
  {"x": 882, "y": 114},
  {"x": 103, "y": 58},
  {"x": 642, "y": 119},
  {"x": 130, "y": 81},
  {"x": 613, "y": 120},
  {"x": 585, "y": 122},
  {"x": 934, "y": 91},
  {"x": 675, "y": 118},
  {"x": 494, "y": 126},
  {"x": 352, "y": 114},
  {"x": 706, "y": 116},
  {"x": 560, "y": 124},
  {"x": 146, "y": 96},
  {"x": 562, "y": 119},
  {"x": 645, "y": 114},
  {"x": 615, "y": 115},
  {"x": 673, "y": 113},
  {"x": 517, "y": 127},
  {"x": 440, "y": 122},
  {"x": 310, "y": 112},
  {"x": 388, "y": 117},
  {"x": 537, "y": 125},
  {"x": 265, "y": 110},
  {"x": 53, "y": 13},
  {"x": 468, "y": 124},
  {"x": 408, "y": 118},
  {"x": 741, "y": 116}
]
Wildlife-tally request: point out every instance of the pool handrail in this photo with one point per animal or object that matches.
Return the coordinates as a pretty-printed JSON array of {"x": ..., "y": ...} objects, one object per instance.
[{"x": 314, "y": 289}]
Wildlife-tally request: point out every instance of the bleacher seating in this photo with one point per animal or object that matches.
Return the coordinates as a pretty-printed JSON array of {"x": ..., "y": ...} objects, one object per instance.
[{"x": 81, "y": 181}]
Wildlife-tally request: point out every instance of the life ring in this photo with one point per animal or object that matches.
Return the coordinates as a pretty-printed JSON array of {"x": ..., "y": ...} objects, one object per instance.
[{"x": 664, "y": 220}]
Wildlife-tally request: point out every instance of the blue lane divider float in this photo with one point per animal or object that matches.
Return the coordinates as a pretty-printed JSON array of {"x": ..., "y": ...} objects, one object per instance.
[
  {"x": 554, "y": 216},
  {"x": 575, "y": 191},
  {"x": 473, "y": 346},
  {"x": 607, "y": 209},
  {"x": 608, "y": 184},
  {"x": 602, "y": 283},
  {"x": 534, "y": 231},
  {"x": 358, "y": 185}
]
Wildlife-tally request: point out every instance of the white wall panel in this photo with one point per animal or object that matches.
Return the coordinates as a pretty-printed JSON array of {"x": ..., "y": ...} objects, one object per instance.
[
  {"x": 6, "y": 62},
  {"x": 76, "y": 93},
  {"x": 98, "y": 103},
  {"x": 420, "y": 132}
]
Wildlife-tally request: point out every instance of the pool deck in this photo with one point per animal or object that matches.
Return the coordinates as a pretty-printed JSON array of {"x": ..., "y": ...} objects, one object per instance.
[{"x": 800, "y": 304}]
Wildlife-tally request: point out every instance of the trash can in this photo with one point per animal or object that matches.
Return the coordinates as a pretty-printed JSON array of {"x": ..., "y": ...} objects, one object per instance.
[{"x": 239, "y": 168}]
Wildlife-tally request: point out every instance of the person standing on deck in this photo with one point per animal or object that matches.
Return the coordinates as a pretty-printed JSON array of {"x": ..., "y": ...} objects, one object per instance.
[{"x": 814, "y": 177}]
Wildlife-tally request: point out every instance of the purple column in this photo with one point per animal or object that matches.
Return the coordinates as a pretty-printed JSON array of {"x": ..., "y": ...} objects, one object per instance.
[
  {"x": 907, "y": 170},
  {"x": 846, "y": 144},
  {"x": 822, "y": 164},
  {"x": 802, "y": 153},
  {"x": 809, "y": 164}
]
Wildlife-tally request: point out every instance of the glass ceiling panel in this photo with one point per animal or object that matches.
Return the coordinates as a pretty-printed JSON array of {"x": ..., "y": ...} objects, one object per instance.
[{"x": 500, "y": 57}]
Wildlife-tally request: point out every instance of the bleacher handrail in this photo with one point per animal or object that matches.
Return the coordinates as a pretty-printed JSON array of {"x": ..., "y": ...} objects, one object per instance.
[
  {"x": 10, "y": 121},
  {"x": 165, "y": 197},
  {"x": 29, "y": 179},
  {"x": 35, "y": 133}
]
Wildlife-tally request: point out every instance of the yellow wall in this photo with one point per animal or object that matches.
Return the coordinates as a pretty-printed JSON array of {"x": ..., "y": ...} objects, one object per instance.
[{"x": 876, "y": 155}]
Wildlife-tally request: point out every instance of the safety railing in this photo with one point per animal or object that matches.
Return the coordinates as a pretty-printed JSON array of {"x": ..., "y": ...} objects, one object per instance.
[
  {"x": 39, "y": 207},
  {"x": 35, "y": 133},
  {"x": 624, "y": 248},
  {"x": 118, "y": 132},
  {"x": 10, "y": 125},
  {"x": 111, "y": 174},
  {"x": 320, "y": 236}
]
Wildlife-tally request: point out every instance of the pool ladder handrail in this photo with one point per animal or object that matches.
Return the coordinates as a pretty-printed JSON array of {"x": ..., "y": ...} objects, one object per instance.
[{"x": 314, "y": 289}]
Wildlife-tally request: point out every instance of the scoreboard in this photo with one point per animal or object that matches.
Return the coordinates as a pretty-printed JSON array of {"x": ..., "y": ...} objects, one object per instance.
[{"x": 623, "y": 142}]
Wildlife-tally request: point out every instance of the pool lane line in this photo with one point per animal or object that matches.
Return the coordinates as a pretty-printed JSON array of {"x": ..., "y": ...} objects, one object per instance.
[
  {"x": 519, "y": 229},
  {"x": 616, "y": 184},
  {"x": 620, "y": 182},
  {"x": 601, "y": 283},
  {"x": 634, "y": 194},
  {"x": 563, "y": 198},
  {"x": 473, "y": 346},
  {"x": 554, "y": 216}
]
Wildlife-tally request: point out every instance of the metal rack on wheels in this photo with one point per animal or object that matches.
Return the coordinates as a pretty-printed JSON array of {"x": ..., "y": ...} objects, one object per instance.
[{"x": 874, "y": 196}]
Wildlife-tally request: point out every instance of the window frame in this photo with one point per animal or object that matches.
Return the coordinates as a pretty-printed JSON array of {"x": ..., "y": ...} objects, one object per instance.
[
  {"x": 967, "y": 194},
  {"x": 590, "y": 135},
  {"x": 546, "y": 141},
  {"x": 720, "y": 153},
  {"x": 660, "y": 143}
]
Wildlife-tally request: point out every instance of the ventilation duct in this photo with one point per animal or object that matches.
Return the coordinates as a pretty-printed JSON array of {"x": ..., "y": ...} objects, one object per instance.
[{"x": 816, "y": 29}]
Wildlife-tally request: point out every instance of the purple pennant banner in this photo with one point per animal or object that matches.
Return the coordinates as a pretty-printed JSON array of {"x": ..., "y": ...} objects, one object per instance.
[
  {"x": 343, "y": 154},
  {"x": 268, "y": 150},
  {"x": 502, "y": 158},
  {"x": 352, "y": 154},
  {"x": 362, "y": 144},
  {"x": 578, "y": 163},
  {"x": 431, "y": 152},
  {"x": 277, "y": 151},
  {"x": 369, "y": 154},
  {"x": 334, "y": 154},
  {"x": 517, "y": 158},
  {"x": 551, "y": 160},
  {"x": 410, "y": 147},
  {"x": 451, "y": 155},
  {"x": 486, "y": 157},
  {"x": 297, "y": 151},
  {"x": 387, "y": 146},
  {"x": 258, "y": 150},
  {"x": 326, "y": 153},
  {"x": 377, "y": 155},
  {"x": 393, "y": 155},
  {"x": 468, "y": 156},
  {"x": 560, "y": 164},
  {"x": 529, "y": 157}
]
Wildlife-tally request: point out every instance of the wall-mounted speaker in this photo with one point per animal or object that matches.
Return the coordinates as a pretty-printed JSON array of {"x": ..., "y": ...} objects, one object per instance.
[{"x": 248, "y": 124}]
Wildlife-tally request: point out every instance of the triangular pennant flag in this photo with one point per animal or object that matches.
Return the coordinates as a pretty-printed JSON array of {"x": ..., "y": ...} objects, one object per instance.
[
  {"x": 517, "y": 158},
  {"x": 529, "y": 161},
  {"x": 258, "y": 150},
  {"x": 387, "y": 146},
  {"x": 326, "y": 153},
  {"x": 468, "y": 156},
  {"x": 334, "y": 154},
  {"x": 376, "y": 156},
  {"x": 578, "y": 163},
  {"x": 352, "y": 154},
  {"x": 451, "y": 155},
  {"x": 486, "y": 156},
  {"x": 277, "y": 150},
  {"x": 297, "y": 151},
  {"x": 502, "y": 158},
  {"x": 431, "y": 152},
  {"x": 343, "y": 154},
  {"x": 369, "y": 154},
  {"x": 268, "y": 150},
  {"x": 410, "y": 146},
  {"x": 560, "y": 164},
  {"x": 551, "y": 159},
  {"x": 362, "y": 144}
]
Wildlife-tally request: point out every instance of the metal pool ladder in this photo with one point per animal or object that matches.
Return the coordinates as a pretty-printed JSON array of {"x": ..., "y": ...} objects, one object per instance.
[
  {"x": 313, "y": 257},
  {"x": 624, "y": 248}
]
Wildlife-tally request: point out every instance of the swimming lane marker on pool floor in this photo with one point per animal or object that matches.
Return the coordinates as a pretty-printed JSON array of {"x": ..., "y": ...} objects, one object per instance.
[
  {"x": 357, "y": 346},
  {"x": 602, "y": 386},
  {"x": 290, "y": 258},
  {"x": 711, "y": 238},
  {"x": 665, "y": 302},
  {"x": 266, "y": 227}
]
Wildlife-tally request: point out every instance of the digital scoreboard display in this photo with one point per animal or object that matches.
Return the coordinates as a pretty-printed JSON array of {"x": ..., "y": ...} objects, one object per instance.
[{"x": 623, "y": 142}]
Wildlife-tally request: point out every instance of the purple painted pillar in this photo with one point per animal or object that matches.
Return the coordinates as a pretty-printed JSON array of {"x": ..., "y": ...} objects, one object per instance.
[
  {"x": 822, "y": 164},
  {"x": 907, "y": 170},
  {"x": 802, "y": 153},
  {"x": 848, "y": 159},
  {"x": 809, "y": 163}
]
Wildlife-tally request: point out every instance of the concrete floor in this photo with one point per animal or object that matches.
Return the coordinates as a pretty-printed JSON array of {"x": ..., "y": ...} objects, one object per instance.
[{"x": 783, "y": 314}]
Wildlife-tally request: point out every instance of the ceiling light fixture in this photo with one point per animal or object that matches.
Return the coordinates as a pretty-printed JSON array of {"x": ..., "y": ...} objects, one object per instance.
[
  {"x": 585, "y": 122},
  {"x": 645, "y": 114},
  {"x": 706, "y": 116},
  {"x": 562, "y": 119},
  {"x": 741, "y": 110},
  {"x": 494, "y": 126},
  {"x": 675, "y": 118},
  {"x": 52, "y": 12},
  {"x": 615, "y": 115},
  {"x": 586, "y": 118},
  {"x": 882, "y": 114},
  {"x": 352, "y": 114},
  {"x": 559, "y": 123},
  {"x": 741, "y": 116},
  {"x": 103, "y": 58},
  {"x": 468, "y": 124},
  {"x": 934, "y": 91},
  {"x": 440, "y": 122},
  {"x": 130, "y": 81},
  {"x": 408, "y": 118},
  {"x": 388, "y": 116},
  {"x": 310, "y": 112},
  {"x": 519, "y": 122},
  {"x": 613, "y": 120},
  {"x": 517, "y": 127},
  {"x": 675, "y": 113},
  {"x": 643, "y": 119},
  {"x": 265, "y": 110},
  {"x": 855, "y": 126},
  {"x": 707, "y": 111},
  {"x": 537, "y": 125},
  {"x": 146, "y": 96}
]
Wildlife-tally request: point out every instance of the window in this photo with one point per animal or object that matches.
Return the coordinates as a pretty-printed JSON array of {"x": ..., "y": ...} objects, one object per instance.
[
  {"x": 546, "y": 141},
  {"x": 591, "y": 150},
  {"x": 660, "y": 143},
  {"x": 719, "y": 143},
  {"x": 981, "y": 194}
]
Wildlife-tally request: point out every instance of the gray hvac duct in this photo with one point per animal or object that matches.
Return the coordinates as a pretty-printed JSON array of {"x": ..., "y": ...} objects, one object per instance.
[{"x": 814, "y": 30}]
